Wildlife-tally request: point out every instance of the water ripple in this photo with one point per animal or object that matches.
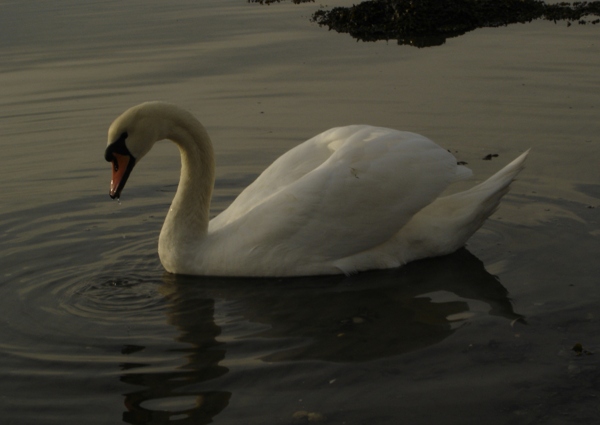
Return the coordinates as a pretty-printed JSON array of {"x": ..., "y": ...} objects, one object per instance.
[{"x": 108, "y": 299}]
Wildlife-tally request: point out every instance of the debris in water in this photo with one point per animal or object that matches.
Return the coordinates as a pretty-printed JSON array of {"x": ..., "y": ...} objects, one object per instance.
[{"x": 579, "y": 350}]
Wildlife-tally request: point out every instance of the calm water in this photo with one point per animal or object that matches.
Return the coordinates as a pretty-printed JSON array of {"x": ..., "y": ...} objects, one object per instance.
[{"x": 93, "y": 331}]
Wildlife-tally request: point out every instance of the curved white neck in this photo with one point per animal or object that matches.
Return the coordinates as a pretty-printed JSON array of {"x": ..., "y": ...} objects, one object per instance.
[{"x": 187, "y": 220}]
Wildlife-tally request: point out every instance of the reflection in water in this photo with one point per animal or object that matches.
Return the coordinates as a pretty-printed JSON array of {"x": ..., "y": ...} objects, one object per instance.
[
  {"x": 165, "y": 397},
  {"x": 335, "y": 319}
]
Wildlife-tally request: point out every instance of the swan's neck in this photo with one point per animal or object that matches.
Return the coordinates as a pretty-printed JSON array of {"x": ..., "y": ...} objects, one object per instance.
[{"x": 187, "y": 220}]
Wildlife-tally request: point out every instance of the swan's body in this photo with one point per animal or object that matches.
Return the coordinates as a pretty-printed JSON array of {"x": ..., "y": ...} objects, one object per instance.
[{"x": 349, "y": 199}]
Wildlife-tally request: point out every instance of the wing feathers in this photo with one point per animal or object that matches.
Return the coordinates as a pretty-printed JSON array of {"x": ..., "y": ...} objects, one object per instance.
[{"x": 341, "y": 192}]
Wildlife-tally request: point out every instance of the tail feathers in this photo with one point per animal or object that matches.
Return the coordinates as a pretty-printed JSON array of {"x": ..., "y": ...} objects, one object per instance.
[
  {"x": 482, "y": 200},
  {"x": 446, "y": 224},
  {"x": 502, "y": 178}
]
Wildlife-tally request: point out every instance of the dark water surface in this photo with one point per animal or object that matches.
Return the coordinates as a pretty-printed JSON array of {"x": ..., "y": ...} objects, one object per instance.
[{"x": 93, "y": 331}]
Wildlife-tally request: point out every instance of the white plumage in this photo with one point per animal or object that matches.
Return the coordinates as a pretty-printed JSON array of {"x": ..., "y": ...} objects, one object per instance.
[{"x": 349, "y": 199}]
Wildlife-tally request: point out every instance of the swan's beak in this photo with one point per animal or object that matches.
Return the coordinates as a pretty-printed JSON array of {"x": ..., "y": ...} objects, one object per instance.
[{"x": 121, "y": 168}]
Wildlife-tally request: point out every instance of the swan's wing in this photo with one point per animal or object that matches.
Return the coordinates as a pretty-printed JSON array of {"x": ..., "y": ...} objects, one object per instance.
[
  {"x": 344, "y": 191},
  {"x": 286, "y": 169}
]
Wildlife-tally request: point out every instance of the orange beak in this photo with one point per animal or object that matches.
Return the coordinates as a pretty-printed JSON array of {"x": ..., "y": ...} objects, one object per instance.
[{"x": 121, "y": 167}]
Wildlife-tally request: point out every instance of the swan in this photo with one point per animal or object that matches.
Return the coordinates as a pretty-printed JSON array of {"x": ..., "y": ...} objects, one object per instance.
[{"x": 350, "y": 199}]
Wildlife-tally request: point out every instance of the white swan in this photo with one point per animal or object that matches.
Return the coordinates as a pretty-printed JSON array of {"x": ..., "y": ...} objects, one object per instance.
[{"x": 349, "y": 199}]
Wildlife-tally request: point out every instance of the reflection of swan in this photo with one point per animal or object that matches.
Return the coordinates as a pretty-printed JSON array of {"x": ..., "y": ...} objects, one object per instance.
[
  {"x": 350, "y": 199},
  {"x": 226, "y": 324},
  {"x": 166, "y": 396},
  {"x": 364, "y": 317}
]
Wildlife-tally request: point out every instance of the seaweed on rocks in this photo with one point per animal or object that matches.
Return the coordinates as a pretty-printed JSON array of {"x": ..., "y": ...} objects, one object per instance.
[{"x": 424, "y": 23}]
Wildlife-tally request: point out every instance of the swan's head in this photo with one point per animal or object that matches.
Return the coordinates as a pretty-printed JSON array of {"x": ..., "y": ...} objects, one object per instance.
[{"x": 130, "y": 137}]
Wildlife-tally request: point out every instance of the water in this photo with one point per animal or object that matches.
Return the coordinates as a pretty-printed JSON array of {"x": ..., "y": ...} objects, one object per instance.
[{"x": 92, "y": 330}]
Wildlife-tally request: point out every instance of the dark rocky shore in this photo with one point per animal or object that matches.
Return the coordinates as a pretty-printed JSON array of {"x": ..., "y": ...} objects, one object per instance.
[{"x": 424, "y": 23}]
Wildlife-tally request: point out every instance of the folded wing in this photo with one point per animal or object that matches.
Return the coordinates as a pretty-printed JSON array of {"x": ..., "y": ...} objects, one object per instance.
[{"x": 344, "y": 191}]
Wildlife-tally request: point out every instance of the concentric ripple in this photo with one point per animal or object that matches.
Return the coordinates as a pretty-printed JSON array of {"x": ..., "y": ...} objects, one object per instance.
[{"x": 115, "y": 299}]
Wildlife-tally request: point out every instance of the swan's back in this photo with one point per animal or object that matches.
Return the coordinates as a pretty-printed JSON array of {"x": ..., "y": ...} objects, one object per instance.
[
  {"x": 363, "y": 148},
  {"x": 344, "y": 191}
]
